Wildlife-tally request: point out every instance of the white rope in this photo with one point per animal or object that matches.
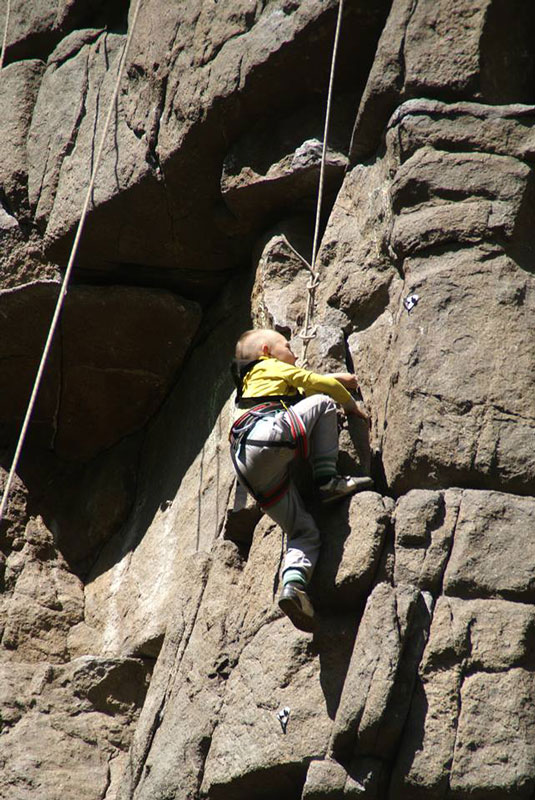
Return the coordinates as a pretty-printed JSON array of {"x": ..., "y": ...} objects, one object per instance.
[
  {"x": 63, "y": 288},
  {"x": 308, "y": 333},
  {"x": 4, "y": 38},
  {"x": 301, "y": 258}
]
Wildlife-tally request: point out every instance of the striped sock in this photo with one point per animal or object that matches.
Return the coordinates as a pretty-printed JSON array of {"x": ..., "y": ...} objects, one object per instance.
[
  {"x": 293, "y": 575},
  {"x": 323, "y": 468}
]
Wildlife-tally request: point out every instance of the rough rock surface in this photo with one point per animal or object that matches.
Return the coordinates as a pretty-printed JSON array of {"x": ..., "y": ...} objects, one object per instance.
[
  {"x": 142, "y": 652},
  {"x": 110, "y": 368},
  {"x": 67, "y": 714}
]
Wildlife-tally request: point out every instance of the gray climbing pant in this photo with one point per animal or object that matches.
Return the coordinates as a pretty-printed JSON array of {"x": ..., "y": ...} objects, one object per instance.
[{"x": 266, "y": 467}]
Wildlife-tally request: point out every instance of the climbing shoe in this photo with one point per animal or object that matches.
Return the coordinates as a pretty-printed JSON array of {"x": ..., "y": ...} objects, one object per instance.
[
  {"x": 341, "y": 486},
  {"x": 295, "y": 603}
]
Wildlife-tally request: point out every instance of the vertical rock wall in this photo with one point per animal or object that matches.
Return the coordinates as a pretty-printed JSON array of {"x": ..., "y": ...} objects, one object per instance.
[{"x": 142, "y": 651}]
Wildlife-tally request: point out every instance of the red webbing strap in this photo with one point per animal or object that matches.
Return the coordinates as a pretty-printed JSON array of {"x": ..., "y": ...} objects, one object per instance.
[
  {"x": 264, "y": 500},
  {"x": 298, "y": 432}
]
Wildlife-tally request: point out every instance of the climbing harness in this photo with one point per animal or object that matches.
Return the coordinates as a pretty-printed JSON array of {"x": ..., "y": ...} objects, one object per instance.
[
  {"x": 4, "y": 37},
  {"x": 66, "y": 277},
  {"x": 309, "y": 331},
  {"x": 239, "y": 438},
  {"x": 239, "y": 433}
]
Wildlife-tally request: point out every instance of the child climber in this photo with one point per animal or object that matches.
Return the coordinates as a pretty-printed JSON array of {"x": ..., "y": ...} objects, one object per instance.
[{"x": 288, "y": 410}]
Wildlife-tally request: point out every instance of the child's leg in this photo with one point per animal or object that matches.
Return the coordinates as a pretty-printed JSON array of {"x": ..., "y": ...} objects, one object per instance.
[
  {"x": 265, "y": 468},
  {"x": 303, "y": 537},
  {"x": 318, "y": 414}
]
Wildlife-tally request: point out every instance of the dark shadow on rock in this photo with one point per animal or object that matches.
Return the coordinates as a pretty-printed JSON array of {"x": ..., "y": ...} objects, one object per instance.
[
  {"x": 38, "y": 41},
  {"x": 506, "y": 53},
  {"x": 178, "y": 433},
  {"x": 395, "y": 719},
  {"x": 368, "y": 777},
  {"x": 334, "y": 525},
  {"x": 412, "y": 743},
  {"x": 83, "y": 504},
  {"x": 377, "y": 472},
  {"x": 86, "y": 503},
  {"x": 283, "y": 781},
  {"x": 333, "y": 642},
  {"x": 242, "y": 518},
  {"x": 521, "y": 248}
]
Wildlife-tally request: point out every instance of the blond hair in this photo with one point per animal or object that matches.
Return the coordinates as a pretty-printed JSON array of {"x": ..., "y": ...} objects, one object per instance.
[{"x": 251, "y": 342}]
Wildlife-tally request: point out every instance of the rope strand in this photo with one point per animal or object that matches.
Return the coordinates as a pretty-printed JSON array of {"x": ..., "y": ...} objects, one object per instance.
[
  {"x": 306, "y": 334},
  {"x": 64, "y": 284},
  {"x": 4, "y": 38}
]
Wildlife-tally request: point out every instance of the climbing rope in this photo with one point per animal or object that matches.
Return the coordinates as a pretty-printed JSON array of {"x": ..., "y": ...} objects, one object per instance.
[
  {"x": 4, "y": 38},
  {"x": 64, "y": 284},
  {"x": 309, "y": 330}
]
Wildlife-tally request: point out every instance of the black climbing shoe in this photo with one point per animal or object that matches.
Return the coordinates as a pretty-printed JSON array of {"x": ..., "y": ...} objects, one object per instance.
[
  {"x": 342, "y": 486},
  {"x": 295, "y": 603}
]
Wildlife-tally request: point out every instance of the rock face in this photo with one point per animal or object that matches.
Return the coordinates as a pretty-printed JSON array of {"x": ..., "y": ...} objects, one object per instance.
[
  {"x": 118, "y": 350},
  {"x": 142, "y": 651}
]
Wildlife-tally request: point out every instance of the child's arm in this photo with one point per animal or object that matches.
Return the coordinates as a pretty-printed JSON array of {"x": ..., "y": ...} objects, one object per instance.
[
  {"x": 347, "y": 379},
  {"x": 313, "y": 382},
  {"x": 352, "y": 407}
]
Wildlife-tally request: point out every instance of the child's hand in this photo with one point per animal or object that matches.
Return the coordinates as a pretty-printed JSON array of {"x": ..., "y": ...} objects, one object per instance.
[
  {"x": 357, "y": 409},
  {"x": 347, "y": 379}
]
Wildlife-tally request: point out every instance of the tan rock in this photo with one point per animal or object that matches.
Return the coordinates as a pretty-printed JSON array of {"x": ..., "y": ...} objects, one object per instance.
[
  {"x": 378, "y": 687},
  {"x": 492, "y": 548},
  {"x": 21, "y": 81},
  {"x": 444, "y": 209},
  {"x": 446, "y": 424},
  {"x": 494, "y": 748},
  {"x": 274, "y": 671},
  {"x": 325, "y": 779},
  {"x": 180, "y": 716},
  {"x": 424, "y": 526},
  {"x": 471, "y": 127},
  {"x": 442, "y": 51},
  {"x": 479, "y": 634},
  {"x": 357, "y": 271},
  {"x": 193, "y": 574},
  {"x": 68, "y": 726},
  {"x": 51, "y": 131},
  {"x": 277, "y": 299},
  {"x": 42, "y": 600},
  {"x": 475, "y": 651},
  {"x": 352, "y": 543}
]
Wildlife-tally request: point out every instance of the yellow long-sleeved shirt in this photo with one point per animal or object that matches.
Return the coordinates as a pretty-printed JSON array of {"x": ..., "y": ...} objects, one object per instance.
[{"x": 273, "y": 377}]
